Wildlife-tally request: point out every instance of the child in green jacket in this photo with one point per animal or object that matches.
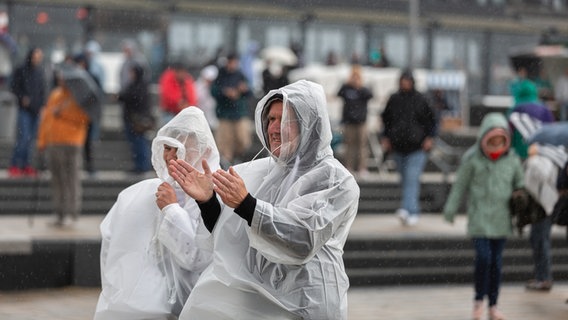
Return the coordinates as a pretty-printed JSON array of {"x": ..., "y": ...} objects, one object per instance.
[{"x": 489, "y": 173}]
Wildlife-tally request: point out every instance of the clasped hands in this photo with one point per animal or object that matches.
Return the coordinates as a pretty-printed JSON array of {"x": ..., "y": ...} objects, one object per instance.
[{"x": 200, "y": 185}]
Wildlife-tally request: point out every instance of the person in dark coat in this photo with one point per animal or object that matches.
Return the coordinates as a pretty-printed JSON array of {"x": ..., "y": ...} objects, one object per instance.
[
  {"x": 28, "y": 85},
  {"x": 409, "y": 129},
  {"x": 231, "y": 91},
  {"x": 136, "y": 109}
]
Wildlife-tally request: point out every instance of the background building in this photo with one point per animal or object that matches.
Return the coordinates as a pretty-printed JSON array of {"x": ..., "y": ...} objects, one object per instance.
[{"x": 474, "y": 36}]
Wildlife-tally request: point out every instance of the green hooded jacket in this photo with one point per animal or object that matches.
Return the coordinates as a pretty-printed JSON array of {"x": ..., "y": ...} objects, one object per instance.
[{"x": 488, "y": 185}]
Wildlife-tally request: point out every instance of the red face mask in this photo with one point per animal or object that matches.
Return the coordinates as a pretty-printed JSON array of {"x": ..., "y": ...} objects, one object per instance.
[{"x": 496, "y": 155}]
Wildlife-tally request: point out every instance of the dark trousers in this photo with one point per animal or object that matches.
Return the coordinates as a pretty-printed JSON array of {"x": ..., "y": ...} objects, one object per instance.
[{"x": 488, "y": 263}]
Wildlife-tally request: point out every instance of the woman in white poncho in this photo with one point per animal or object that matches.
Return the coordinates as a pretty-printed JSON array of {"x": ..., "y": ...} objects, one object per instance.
[
  {"x": 278, "y": 234},
  {"x": 149, "y": 259}
]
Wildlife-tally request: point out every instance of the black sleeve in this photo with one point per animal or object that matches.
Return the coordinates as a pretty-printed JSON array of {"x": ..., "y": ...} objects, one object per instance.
[
  {"x": 246, "y": 209},
  {"x": 210, "y": 211}
]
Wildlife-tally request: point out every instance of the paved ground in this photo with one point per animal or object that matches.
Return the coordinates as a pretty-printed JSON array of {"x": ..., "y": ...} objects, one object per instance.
[
  {"x": 403, "y": 302},
  {"x": 414, "y": 303}
]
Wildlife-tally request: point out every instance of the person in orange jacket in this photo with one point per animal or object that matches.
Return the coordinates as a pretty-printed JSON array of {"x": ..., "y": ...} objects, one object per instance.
[
  {"x": 61, "y": 135},
  {"x": 177, "y": 91}
]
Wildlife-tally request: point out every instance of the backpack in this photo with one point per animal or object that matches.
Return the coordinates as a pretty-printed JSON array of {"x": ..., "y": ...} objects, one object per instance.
[{"x": 525, "y": 210}]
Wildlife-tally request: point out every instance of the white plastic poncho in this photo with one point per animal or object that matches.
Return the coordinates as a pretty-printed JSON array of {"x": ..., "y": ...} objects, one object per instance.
[
  {"x": 288, "y": 264},
  {"x": 149, "y": 260}
]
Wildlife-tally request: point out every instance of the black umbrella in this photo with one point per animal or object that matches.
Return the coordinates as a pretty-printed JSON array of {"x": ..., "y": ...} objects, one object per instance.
[{"x": 84, "y": 89}]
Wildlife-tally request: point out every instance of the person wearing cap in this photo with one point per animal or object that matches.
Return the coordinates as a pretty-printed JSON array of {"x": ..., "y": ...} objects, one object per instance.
[
  {"x": 489, "y": 173},
  {"x": 277, "y": 225},
  {"x": 409, "y": 127}
]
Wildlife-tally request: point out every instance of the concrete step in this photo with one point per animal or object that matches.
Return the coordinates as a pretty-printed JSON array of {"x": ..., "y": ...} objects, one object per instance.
[
  {"x": 428, "y": 261},
  {"x": 379, "y": 194}
]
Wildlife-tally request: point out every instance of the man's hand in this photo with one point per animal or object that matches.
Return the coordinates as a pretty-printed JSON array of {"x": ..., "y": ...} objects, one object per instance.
[
  {"x": 230, "y": 187},
  {"x": 386, "y": 145},
  {"x": 427, "y": 144},
  {"x": 165, "y": 195},
  {"x": 231, "y": 93},
  {"x": 197, "y": 185},
  {"x": 25, "y": 101}
]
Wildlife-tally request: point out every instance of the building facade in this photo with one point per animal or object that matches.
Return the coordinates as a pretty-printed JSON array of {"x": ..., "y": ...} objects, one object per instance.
[{"x": 473, "y": 35}]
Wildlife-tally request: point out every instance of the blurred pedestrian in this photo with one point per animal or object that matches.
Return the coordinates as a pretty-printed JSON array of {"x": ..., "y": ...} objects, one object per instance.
[
  {"x": 62, "y": 134},
  {"x": 561, "y": 95},
  {"x": 205, "y": 100},
  {"x": 274, "y": 76},
  {"x": 232, "y": 92},
  {"x": 132, "y": 55},
  {"x": 409, "y": 127},
  {"x": 440, "y": 104},
  {"x": 137, "y": 118},
  {"x": 29, "y": 86},
  {"x": 526, "y": 116},
  {"x": 96, "y": 69},
  {"x": 149, "y": 257},
  {"x": 543, "y": 168},
  {"x": 354, "y": 117},
  {"x": 177, "y": 91},
  {"x": 93, "y": 131},
  {"x": 278, "y": 236},
  {"x": 488, "y": 174}
]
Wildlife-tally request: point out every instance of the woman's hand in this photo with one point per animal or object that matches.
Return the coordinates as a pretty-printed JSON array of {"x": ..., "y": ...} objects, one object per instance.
[{"x": 165, "y": 195}]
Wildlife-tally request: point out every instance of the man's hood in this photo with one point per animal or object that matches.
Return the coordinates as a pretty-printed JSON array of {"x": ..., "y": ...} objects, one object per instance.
[{"x": 307, "y": 100}]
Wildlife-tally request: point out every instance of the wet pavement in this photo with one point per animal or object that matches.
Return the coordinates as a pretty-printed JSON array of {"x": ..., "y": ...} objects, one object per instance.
[
  {"x": 437, "y": 302},
  {"x": 393, "y": 303}
]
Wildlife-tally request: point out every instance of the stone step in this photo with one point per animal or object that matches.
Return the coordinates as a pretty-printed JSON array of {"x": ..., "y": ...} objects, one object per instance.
[
  {"x": 427, "y": 261},
  {"x": 27, "y": 195}
]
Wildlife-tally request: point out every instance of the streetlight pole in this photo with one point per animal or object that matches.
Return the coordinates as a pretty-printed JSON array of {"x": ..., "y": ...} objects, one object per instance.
[{"x": 413, "y": 11}]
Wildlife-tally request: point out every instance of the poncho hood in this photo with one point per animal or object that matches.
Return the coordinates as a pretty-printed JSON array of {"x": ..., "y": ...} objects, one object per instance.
[
  {"x": 307, "y": 100},
  {"x": 189, "y": 132}
]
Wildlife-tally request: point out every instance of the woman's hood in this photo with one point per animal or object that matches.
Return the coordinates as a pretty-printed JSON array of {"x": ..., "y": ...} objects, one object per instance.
[
  {"x": 491, "y": 121},
  {"x": 307, "y": 100},
  {"x": 190, "y": 133}
]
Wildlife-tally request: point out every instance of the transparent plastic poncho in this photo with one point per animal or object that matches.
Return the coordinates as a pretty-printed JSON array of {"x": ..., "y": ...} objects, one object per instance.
[
  {"x": 288, "y": 264},
  {"x": 149, "y": 258}
]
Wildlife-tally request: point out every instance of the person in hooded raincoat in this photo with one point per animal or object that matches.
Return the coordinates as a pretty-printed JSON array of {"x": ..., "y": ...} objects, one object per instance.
[
  {"x": 149, "y": 260},
  {"x": 489, "y": 173},
  {"x": 278, "y": 234}
]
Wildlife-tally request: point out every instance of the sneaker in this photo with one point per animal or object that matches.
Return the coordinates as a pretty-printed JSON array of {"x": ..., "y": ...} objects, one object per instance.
[
  {"x": 495, "y": 314},
  {"x": 412, "y": 220},
  {"x": 15, "y": 172},
  {"x": 30, "y": 172},
  {"x": 535, "y": 285},
  {"x": 402, "y": 215},
  {"x": 477, "y": 310}
]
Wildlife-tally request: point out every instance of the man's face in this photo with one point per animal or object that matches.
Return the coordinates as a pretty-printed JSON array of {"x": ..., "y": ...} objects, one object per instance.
[
  {"x": 276, "y": 128},
  {"x": 37, "y": 57},
  {"x": 406, "y": 84},
  {"x": 233, "y": 64}
]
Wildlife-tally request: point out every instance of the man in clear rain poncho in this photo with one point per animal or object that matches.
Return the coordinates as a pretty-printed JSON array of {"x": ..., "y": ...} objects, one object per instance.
[
  {"x": 149, "y": 260},
  {"x": 278, "y": 232}
]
